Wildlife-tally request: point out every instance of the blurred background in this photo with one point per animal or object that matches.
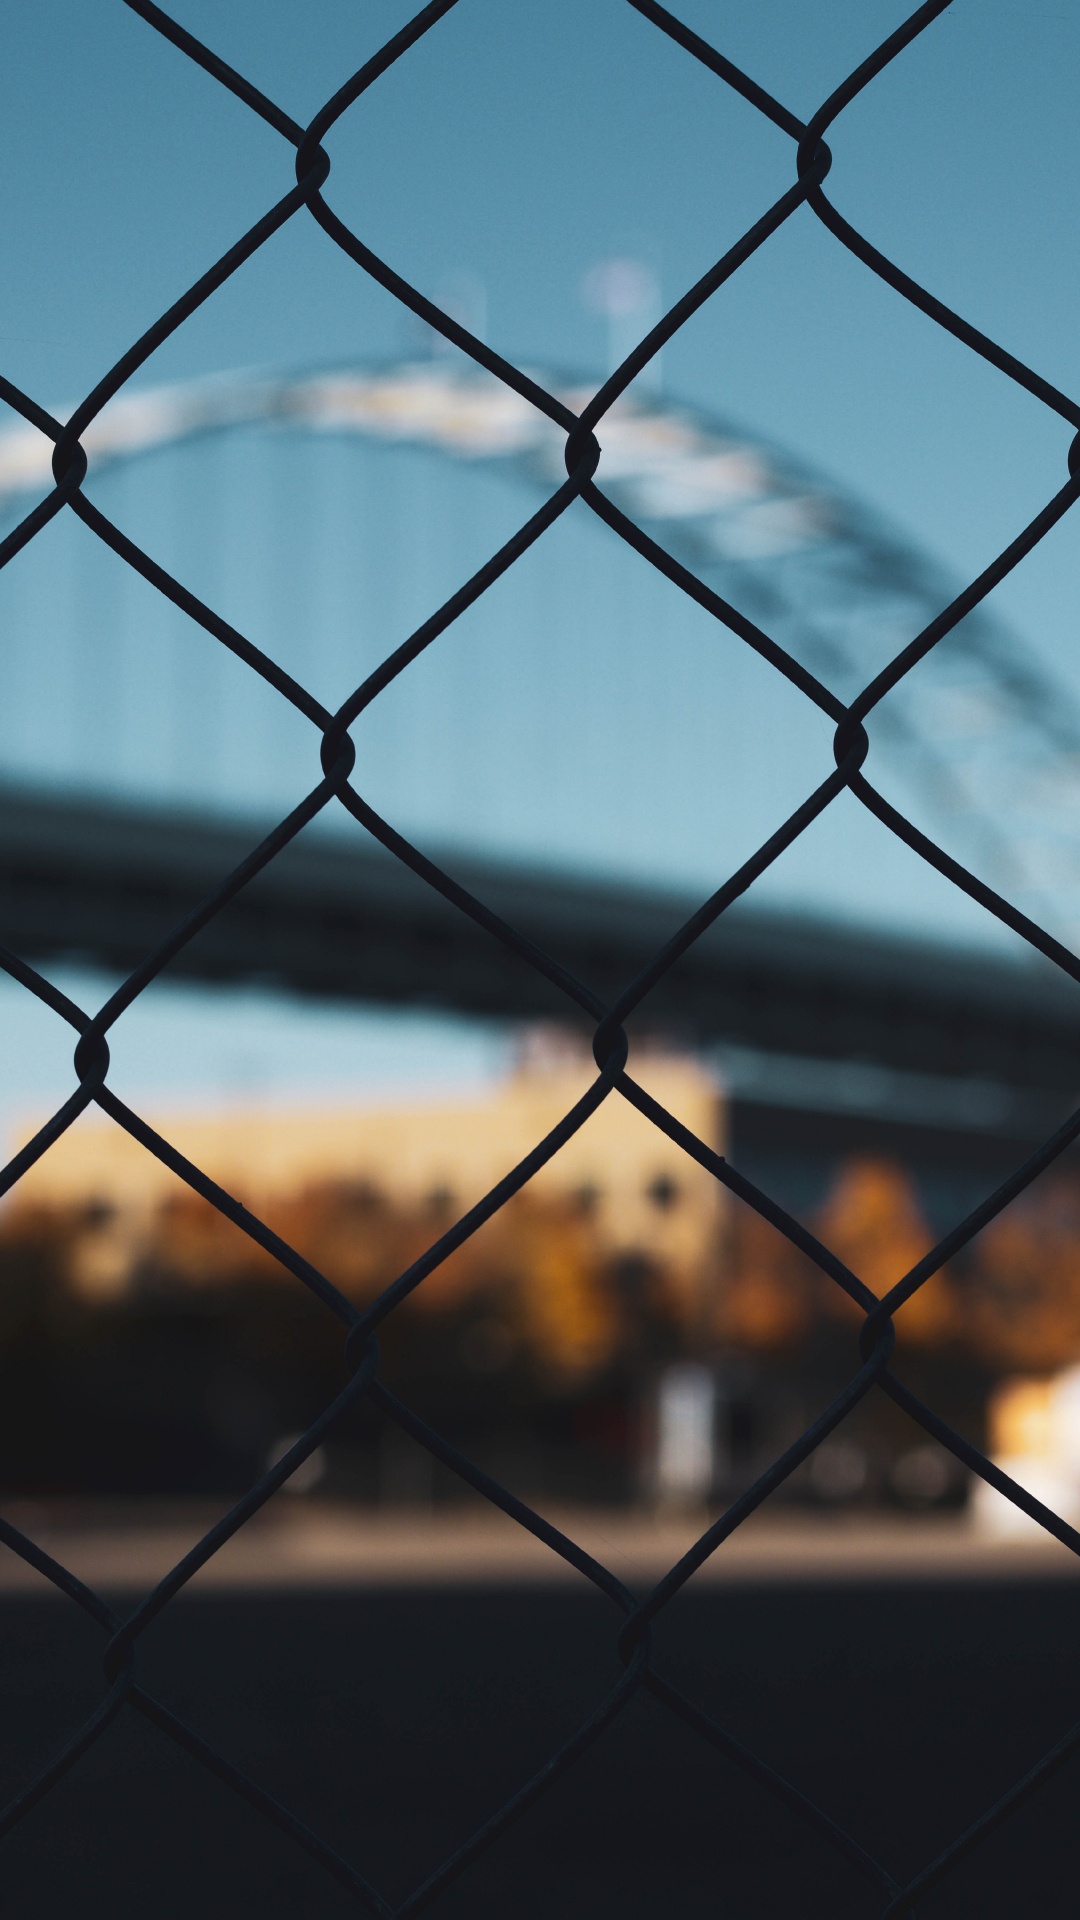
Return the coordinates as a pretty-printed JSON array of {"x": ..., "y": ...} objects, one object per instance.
[
  {"x": 587, "y": 749},
  {"x": 624, "y": 1344}
]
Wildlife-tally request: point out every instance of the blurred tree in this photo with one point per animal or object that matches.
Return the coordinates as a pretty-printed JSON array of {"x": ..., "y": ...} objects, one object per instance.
[
  {"x": 772, "y": 1294},
  {"x": 1023, "y": 1282},
  {"x": 872, "y": 1220}
]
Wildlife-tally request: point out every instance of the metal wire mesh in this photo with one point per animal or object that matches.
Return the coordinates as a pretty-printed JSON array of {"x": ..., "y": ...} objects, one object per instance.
[{"x": 584, "y": 463}]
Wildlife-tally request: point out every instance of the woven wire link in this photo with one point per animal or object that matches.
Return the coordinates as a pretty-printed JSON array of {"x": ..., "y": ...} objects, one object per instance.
[{"x": 584, "y": 467}]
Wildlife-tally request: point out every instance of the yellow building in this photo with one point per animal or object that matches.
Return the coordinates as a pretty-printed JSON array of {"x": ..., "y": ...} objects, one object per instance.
[{"x": 642, "y": 1195}]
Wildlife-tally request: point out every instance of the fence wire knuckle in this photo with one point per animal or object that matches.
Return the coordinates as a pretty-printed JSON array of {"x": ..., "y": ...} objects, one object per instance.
[{"x": 333, "y": 760}]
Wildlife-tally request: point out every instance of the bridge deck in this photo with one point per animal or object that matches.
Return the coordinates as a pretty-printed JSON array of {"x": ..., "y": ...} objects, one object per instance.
[{"x": 340, "y": 918}]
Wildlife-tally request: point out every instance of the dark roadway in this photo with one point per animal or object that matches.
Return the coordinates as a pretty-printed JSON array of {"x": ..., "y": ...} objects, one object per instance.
[{"x": 394, "y": 1721}]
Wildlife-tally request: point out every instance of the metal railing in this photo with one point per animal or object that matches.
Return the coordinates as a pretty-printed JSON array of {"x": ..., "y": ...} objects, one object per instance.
[{"x": 873, "y": 1373}]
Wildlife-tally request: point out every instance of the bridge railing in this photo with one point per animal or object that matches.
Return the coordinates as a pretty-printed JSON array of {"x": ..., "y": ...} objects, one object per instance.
[{"x": 333, "y": 786}]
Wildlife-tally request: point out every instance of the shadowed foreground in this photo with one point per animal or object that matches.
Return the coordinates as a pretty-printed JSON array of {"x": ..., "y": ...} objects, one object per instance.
[{"x": 394, "y": 1721}]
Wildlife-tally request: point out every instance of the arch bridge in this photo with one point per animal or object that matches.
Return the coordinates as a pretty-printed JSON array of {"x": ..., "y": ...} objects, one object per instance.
[{"x": 326, "y": 511}]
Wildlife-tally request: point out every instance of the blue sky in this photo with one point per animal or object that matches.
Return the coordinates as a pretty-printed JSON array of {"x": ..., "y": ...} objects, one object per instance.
[{"x": 517, "y": 145}]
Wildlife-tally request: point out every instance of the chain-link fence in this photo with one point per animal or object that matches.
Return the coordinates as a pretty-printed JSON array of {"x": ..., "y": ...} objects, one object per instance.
[{"x": 632, "y": 1617}]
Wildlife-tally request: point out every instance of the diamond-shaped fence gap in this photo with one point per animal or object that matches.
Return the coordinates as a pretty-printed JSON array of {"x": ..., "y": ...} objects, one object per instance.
[
  {"x": 586, "y": 101},
  {"x": 554, "y": 717},
  {"x": 842, "y": 346},
  {"x": 287, "y": 549},
  {"x": 178, "y": 719},
  {"x": 121, "y": 146},
  {"x": 444, "y": 517}
]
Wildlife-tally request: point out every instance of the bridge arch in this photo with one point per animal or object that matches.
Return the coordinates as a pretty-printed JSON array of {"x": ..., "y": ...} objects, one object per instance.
[{"x": 327, "y": 511}]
